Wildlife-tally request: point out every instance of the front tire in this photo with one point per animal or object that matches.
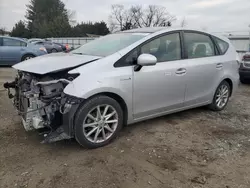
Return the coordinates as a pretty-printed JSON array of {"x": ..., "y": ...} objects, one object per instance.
[
  {"x": 53, "y": 50},
  {"x": 98, "y": 121},
  {"x": 221, "y": 97}
]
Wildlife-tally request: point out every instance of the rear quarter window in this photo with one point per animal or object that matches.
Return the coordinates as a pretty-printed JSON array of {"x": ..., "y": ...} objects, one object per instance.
[{"x": 222, "y": 45}]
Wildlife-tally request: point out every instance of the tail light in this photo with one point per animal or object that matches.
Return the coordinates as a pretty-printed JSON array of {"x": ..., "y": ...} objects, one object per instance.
[
  {"x": 43, "y": 49},
  {"x": 246, "y": 57},
  {"x": 67, "y": 47}
]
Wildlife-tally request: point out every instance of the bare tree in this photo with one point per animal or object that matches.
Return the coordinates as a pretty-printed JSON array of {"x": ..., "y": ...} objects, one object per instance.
[
  {"x": 71, "y": 16},
  {"x": 112, "y": 25},
  {"x": 157, "y": 16},
  {"x": 136, "y": 16},
  {"x": 184, "y": 22},
  {"x": 3, "y": 31},
  {"x": 151, "y": 16},
  {"x": 119, "y": 18}
]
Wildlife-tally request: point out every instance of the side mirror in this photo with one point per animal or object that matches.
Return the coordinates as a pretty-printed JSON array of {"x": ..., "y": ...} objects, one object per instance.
[{"x": 146, "y": 60}]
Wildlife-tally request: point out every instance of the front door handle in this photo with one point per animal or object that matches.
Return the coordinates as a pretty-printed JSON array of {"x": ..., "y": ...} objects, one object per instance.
[
  {"x": 219, "y": 65},
  {"x": 181, "y": 71}
]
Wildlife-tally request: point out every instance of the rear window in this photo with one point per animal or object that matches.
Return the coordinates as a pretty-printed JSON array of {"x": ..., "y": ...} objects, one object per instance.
[{"x": 223, "y": 46}]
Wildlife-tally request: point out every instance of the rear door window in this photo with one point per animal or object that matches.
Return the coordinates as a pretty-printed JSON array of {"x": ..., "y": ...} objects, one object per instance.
[{"x": 198, "y": 45}]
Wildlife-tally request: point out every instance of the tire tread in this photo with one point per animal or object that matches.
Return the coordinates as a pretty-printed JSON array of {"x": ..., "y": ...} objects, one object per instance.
[{"x": 83, "y": 109}]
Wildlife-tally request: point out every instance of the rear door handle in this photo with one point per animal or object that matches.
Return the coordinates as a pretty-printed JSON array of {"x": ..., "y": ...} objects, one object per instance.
[
  {"x": 219, "y": 65},
  {"x": 181, "y": 71}
]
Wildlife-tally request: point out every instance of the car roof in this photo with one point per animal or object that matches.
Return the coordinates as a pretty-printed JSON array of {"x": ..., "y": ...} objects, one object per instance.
[
  {"x": 16, "y": 38},
  {"x": 160, "y": 30},
  {"x": 157, "y": 29},
  {"x": 145, "y": 30},
  {"x": 35, "y": 39}
]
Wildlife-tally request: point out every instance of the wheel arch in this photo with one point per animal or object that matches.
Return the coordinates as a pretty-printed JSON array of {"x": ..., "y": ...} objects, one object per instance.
[
  {"x": 230, "y": 82},
  {"x": 118, "y": 99},
  {"x": 26, "y": 54}
]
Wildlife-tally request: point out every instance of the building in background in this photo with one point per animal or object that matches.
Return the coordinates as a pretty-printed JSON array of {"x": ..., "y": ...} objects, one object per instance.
[{"x": 241, "y": 43}]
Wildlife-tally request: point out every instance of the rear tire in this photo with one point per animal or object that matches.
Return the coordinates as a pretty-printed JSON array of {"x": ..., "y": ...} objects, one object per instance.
[
  {"x": 53, "y": 50},
  {"x": 243, "y": 80},
  {"x": 27, "y": 57},
  {"x": 95, "y": 126},
  {"x": 221, "y": 97}
]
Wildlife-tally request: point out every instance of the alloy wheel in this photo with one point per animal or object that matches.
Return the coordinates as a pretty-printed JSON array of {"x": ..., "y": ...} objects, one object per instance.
[
  {"x": 100, "y": 123},
  {"x": 222, "y": 96}
]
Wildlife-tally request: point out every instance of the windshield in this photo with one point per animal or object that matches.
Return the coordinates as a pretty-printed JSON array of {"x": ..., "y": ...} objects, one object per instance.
[{"x": 109, "y": 44}]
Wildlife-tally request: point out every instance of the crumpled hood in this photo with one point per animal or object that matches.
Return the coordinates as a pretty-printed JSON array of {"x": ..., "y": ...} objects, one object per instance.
[{"x": 54, "y": 62}]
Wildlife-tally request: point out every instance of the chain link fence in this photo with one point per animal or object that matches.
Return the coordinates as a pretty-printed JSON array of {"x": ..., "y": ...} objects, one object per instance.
[{"x": 73, "y": 42}]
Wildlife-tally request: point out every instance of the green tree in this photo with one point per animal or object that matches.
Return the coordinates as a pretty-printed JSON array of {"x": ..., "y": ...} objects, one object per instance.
[
  {"x": 3, "y": 31},
  {"x": 100, "y": 28},
  {"x": 47, "y": 18},
  {"x": 20, "y": 30},
  {"x": 97, "y": 28}
]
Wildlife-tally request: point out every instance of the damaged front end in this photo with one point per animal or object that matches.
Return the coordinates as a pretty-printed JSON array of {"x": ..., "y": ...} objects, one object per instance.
[{"x": 42, "y": 104}]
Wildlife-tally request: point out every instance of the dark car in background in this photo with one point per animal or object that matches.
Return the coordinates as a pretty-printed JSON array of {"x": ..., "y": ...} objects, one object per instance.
[
  {"x": 14, "y": 50},
  {"x": 245, "y": 68},
  {"x": 65, "y": 47},
  {"x": 50, "y": 46},
  {"x": 35, "y": 40}
]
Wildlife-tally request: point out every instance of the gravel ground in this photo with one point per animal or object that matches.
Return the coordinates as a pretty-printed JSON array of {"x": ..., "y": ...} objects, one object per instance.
[{"x": 196, "y": 148}]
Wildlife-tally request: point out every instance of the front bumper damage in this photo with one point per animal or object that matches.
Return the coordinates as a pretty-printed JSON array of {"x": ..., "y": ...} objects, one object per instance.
[
  {"x": 61, "y": 125},
  {"x": 64, "y": 131}
]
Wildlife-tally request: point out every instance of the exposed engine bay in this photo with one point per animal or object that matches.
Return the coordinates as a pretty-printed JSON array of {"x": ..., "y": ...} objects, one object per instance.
[{"x": 40, "y": 99}]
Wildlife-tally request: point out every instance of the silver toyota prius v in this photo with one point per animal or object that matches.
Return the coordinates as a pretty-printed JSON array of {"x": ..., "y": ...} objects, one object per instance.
[{"x": 90, "y": 93}]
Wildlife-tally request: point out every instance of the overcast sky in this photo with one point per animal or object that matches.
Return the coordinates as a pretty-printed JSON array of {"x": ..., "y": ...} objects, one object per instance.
[{"x": 214, "y": 15}]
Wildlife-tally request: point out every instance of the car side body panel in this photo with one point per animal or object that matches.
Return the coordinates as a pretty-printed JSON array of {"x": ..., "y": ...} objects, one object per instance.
[{"x": 198, "y": 85}]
